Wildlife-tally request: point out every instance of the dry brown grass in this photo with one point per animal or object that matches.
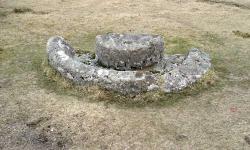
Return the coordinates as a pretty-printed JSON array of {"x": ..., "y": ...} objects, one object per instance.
[{"x": 47, "y": 112}]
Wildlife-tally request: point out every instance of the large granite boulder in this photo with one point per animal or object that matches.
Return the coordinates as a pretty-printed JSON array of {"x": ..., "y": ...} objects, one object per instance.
[{"x": 127, "y": 51}]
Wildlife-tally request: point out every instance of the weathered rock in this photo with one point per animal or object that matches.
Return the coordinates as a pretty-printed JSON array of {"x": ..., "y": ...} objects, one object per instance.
[
  {"x": 194, "y": 65},
  {"x": 128, "y": 52},
  {"x": 172, "y": 73},
  {"x": 169, "y": 63},
  {"x": 61, "y": 57}
]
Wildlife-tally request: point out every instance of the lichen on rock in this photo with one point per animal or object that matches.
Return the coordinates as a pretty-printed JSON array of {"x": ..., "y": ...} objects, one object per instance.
[
  {"x": 177, "y": 71},
  {"x": 128, "y": 51}
]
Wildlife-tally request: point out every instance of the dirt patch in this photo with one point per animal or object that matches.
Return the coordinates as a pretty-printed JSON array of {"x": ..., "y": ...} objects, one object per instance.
[{"x": 48, "y": 136}]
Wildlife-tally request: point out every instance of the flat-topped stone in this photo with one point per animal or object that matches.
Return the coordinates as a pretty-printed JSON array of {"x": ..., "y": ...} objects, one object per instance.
[{"x": 128, "y": 51}]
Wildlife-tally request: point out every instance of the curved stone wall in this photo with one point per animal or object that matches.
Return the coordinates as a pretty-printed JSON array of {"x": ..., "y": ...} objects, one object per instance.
[{"x": 172, "y": 73}]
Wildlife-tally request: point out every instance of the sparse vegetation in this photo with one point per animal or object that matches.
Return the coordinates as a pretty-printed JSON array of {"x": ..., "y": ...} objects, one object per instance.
[
  {"x": 1, "y": 50},
  {"x": 212, "y": 38},
  {"x": 242, "y": 34},
  {"x": 178, "y": 45},
  {"x": 22, "y": 10},
  {"x": 53, "y": 76},
  {"x": 3, "y": 13},
  {"x": 86, "y": 43}
]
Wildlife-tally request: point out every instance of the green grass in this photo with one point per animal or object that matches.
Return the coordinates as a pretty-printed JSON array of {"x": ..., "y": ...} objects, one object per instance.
[
  {"x": 85, "y": 42},
  {"x": 212, "y": 38},
  {"x": 177, "y": 45}
]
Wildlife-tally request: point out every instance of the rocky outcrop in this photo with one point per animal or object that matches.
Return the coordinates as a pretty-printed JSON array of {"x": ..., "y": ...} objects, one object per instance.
[{"x": 171, "y": 73}]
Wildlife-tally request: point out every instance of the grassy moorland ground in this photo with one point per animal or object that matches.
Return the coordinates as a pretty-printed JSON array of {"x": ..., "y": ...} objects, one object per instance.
[{"x": 40, "y": 110}]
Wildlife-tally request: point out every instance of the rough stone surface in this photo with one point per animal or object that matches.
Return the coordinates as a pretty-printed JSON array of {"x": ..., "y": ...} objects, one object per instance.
[
  {"x": 172, "y": 73},
  {"x": 194, "y": 65},
  {"x": 127, "y": 51},
  {"x": 169, "y": 63},
  {"x": 61, "y": 57}
]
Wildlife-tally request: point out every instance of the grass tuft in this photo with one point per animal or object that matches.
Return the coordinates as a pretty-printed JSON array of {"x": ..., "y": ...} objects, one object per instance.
[
  {"x": 3, "y": 13},
  {"x": 22, "y": 10},
  {"x": 50, "y": 79},
  {"x": 1, "y": 50},
  {"x": 54, "y": 76},
  {"x": 212, "y": 38},
  {"x": 241, "y": 34}
]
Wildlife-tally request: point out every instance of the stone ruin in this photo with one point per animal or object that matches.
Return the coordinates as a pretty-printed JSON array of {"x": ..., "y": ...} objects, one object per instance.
[{"x": 128, "y": 64}]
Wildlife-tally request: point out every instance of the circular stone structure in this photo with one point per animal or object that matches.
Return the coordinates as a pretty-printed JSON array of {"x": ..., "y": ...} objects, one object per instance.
[
  {"x": 128, "y": 51},
  {"x": 172, "y": 72}
]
